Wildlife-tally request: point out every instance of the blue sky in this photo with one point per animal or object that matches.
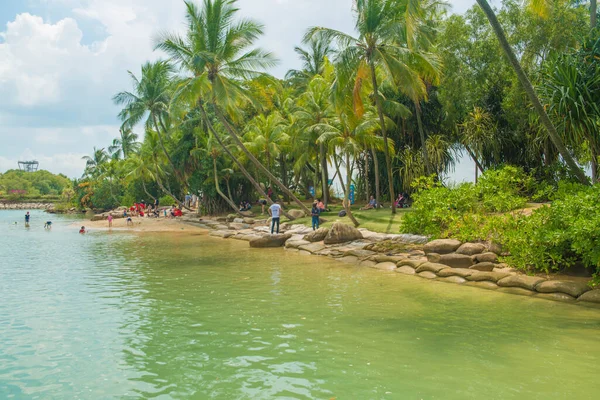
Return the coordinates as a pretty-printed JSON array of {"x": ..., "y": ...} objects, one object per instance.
[{"x": 61, "y": 61}]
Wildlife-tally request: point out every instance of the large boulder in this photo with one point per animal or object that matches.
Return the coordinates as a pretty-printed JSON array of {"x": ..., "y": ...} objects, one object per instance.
[
  {"x": 522, "y": 281},
  {"x": 406, "y": 270},
  {"x": 462, "y": 272},
  {"x": 385, "y": 266},
  {"x": 492, "y": 276},
  {"x": 312, "y": 247},
  {"x": 593, "y": 296},
  {"x": 486, "y": 257},
  {"x": 296, "y": 214},
  {"x": 431, "y": 267},
  {"x": 442, "y": 246},
  {"x": 470, "y": 249},
  {"x": 456, "y": 260},
  {"x": 270, "y": 241},
  {"x": 317, "y": 236},
  {"x": 411, "y": 263},
  {"x": 574, "y": 289},
  {"x": 342, "y": 233},
  {"x": 483, "y": 266},
  {"x": 294, "y": 244}
]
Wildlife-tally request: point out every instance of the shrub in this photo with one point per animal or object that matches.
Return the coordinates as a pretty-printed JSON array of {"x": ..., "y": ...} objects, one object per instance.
[{"x": 166, "y": 201}]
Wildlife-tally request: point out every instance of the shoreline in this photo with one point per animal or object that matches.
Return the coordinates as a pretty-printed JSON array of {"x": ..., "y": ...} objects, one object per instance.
[{"x": 401, "y": 253}]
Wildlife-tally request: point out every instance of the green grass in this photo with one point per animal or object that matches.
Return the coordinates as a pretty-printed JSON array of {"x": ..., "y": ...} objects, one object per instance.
[{"x": 380, "y": 220}]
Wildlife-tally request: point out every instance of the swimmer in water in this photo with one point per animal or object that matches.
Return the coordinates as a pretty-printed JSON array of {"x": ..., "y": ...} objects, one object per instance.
[
  {"x": 82, "y": 230},
  {"x": 48, "y": 225}
]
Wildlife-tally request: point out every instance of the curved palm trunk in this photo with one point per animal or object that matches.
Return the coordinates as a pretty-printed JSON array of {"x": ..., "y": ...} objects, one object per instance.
[
  {"x": 593, "y": 13},
  {"x": 386, "y": 149},
  {"x": 229, "y": 190},
  {"x": 367, "y": 188},
  {"x": 146, "y": 190},
  {"x": 376, "y": 170},
  {"x": 337, "y": 168},
  {"x": 324, "y": 174},
  {"x": 347, "y": 195},
  {"x": 257, "y": 163},
  {"x": 238, "y": 163},
  {"x": 164, "y": 149},
  {"x": 230, "y": 202},
  {"x": 537, "y": 105},
  {"x": 422, "y": 136}
]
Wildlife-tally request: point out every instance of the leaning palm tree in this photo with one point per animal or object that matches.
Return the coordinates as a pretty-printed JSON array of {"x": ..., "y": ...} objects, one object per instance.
[
  {"x": 266, "y": 136},
  {"x": 216, "y": 52},
  {"x": 528, "y": 87},
  {"x": 95, "y": 163},
  {"x": 378, "y": 23}
]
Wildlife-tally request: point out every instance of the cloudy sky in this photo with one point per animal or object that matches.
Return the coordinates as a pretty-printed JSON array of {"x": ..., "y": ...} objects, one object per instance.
[{"x": 61, "y": 61}]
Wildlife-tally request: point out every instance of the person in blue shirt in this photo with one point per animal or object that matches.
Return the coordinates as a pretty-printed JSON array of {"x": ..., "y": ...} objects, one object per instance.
[
  {"x": 27, "y": 216},
  {"x": 315, "y": 212}
]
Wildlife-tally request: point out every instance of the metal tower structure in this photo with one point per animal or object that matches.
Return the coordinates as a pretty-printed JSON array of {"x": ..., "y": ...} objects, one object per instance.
[{"x": 29, "y": 166}]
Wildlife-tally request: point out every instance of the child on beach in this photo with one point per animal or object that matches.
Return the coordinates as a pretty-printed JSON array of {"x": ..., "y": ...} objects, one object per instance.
[
  {"x": 110, "y": 220},
  {"x": 82, "y": 230}
]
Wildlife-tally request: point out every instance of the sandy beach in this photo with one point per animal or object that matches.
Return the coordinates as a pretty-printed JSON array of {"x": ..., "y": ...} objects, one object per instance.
[{"x": 143, "y": 225}]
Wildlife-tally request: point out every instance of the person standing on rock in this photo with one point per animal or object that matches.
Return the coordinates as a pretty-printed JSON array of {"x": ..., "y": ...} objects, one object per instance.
[
  {"x": 315, "y": 212},
  {"x": 27, "y": 216},
  {"x": 275, "y": 211}
]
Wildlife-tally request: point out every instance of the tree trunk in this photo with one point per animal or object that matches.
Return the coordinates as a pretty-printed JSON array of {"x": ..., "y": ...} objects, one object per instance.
[
  {"x": 324, "y": 174},
  {"x": 593, "y": 13},
  {"x": 230, "y": 202},
  {"x": 537, "y": 105},
  {"x": 257, "y": 163},
  {"x": 423, "y": 140},
  {"x": 229, "y": 190},
  {"x": 367, "y": 188},
  {"x": 284, "y": 176},
  {"x": 164, "y": 149},
  {"x": 376, "y": 170},
  {"x": 386, "y": 150},
  {"x": 594, "y": 167},
  {"x": 472, "y": 155},
  {"x": 337, "y": 168},
  {"x": 146, "y": 190},
  {"x": 238, "y": 162},
  {"x": 347, "y": 195}
]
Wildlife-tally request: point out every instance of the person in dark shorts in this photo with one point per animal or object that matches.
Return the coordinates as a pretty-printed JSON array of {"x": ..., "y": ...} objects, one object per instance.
[
  {"x": 48, "y": 225},
  {"x": 315, "y": 213},
  {"x": 27, "y": 217}
]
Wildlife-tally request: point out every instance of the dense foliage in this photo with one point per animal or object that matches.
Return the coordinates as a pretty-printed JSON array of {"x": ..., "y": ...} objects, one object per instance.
[{"x": 16, "y": 184}]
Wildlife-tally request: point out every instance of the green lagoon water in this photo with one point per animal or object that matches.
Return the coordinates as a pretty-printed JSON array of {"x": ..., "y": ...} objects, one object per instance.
[{"x": 122, "y": 315}]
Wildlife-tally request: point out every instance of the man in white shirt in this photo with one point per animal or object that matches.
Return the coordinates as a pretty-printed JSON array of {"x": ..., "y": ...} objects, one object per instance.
[{"x": 275, "y": 211}]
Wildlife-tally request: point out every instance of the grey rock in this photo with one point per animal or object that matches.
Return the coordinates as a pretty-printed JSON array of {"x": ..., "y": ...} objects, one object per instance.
[
  {"x": 368, "y": 263},
  {"x": 456, "y": 260},
  {"x": 434, "y": 257},
  {"x": 574, "y": 289},
  {"x": 442, "y": 246},
  {"x": 483, "y": 266},
  {"x": 427, "y": 275},
  {"x": 249, "y": 221},
  {"x": 270, "y": 241},
  {"x": 385, "y": 266},
  {"x": 470, "y": 249},
  {"x": 385, "y": 258},
  {"x": 461, "y": 272},
  {"x": 294, "y": 244},
  {"x": 348, "y": 259},
  {"x": 453, "y": 279},
  {"x": 238, "y": 220},
  {"x": 593, "y": 296},
  {"x": 486, "y": 257},
  {"x": 495, "y": 248},
  {"x": 487, "y": 276},
  {"x": 317, "y": 236},
  {"x": 556, "y": 297},
  {"x": 296, "y": 214},
  {"x": 522, "y": 281},
  {"x": 406, "y": 270},
  {"x": 312, "y": 247},
  {"x": 341, "y": 233},
  {"x": 411, "y": 263},
  {"x": 431, "y": 267},
  {"x": 360, "y": 253},
  {"x": 221, "y": 234}
]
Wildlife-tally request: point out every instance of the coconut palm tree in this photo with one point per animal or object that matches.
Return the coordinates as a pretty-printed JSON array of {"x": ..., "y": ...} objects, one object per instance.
[
  {"x": 95, "y": 162},
  {"x": 529, "y": 90},
  {"x": 150, "y": 101},
  {"x": 266, "y": 136},
  {"x": 216, "y": 52},
  {"x": 125, "y": 145},
  {"x": 313, "y": 62},
  {"x": 478, "y": 134},
  {"x": 378, "y": 23}
]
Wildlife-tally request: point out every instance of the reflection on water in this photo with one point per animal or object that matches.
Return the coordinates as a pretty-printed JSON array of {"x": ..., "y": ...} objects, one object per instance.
[{"x": 109, "y": 315}]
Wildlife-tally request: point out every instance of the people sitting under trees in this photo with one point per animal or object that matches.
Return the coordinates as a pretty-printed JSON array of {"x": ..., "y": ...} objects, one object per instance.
[
  {"x": 402, "y": 200},
  {"x": 321, "y": 206},
  {"x": 245, "y": 206},
  {"x": 370, "y": 205}
]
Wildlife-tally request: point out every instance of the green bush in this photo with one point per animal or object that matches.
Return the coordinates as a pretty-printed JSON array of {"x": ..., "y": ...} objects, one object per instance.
[{"x": 166, "y": 201}]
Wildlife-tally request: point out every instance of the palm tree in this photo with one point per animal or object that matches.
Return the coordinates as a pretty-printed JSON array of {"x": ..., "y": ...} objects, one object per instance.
[
  {"x": 150, "y": 99},
  {"x": 530, "y": 91},
  {"x": 378, "y": 23},
  {"x": 95, "y": 162},
  {"x": 140, "y": 169},
  {"x": 125, "y": 145},
  {"x": 478, "y": 134},
  {"x": 216, "y": 52},
  {"x": 313, "y": 62},
  {"x": 266, "y": 136}
]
